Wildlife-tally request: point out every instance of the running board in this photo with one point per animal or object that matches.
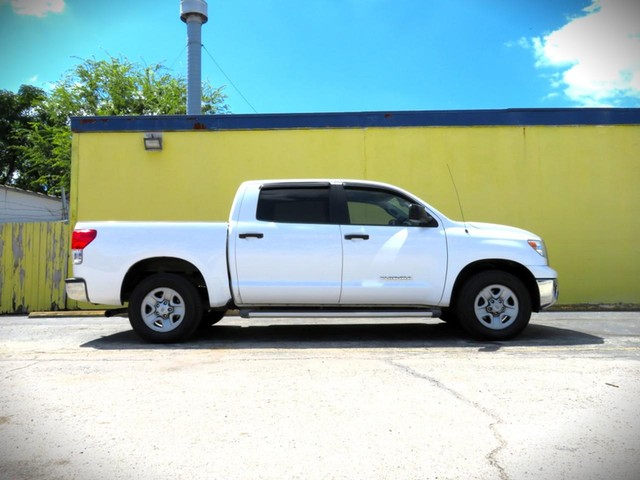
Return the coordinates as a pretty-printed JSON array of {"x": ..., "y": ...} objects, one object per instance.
[{"x": 339, "y": 313}]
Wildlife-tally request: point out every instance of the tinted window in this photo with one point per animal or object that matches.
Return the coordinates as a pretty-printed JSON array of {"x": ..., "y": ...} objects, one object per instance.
[
  {"x": 294, "y": 205},
  {"x": 376, "y": 207}
]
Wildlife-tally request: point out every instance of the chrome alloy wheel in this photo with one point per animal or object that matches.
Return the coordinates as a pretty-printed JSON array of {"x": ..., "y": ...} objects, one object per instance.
[
  {"x": 162, "y": 309},
  {"x": 496, "y": 307}
]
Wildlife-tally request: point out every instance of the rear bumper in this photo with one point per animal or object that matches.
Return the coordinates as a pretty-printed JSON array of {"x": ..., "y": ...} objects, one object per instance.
[
  {"x": 549, "y": 291},
  {"x": 76, "y": 289}
]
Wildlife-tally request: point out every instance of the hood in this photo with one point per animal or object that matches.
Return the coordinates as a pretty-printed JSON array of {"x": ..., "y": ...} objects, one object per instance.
[{"x": 504, "y": 231}]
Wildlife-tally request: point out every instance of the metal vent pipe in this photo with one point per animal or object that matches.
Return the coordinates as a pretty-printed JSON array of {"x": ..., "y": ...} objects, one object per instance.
[{"x": 194, "y": 13}]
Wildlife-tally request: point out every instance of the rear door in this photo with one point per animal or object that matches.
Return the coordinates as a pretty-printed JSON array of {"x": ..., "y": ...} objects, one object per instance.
[
  {"x": 388, "y": 259},
  {"x": 287, "y": 251}
]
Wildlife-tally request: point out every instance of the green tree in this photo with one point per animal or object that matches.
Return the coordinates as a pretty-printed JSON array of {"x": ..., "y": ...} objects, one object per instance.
[
  {"x": 18, "y": 111},
  {"x": 93, "y": 88},
  {"x": 120, "y": 87}
]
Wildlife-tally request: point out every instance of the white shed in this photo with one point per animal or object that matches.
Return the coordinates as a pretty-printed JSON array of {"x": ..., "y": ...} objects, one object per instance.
[{"x": 17, "y": 205}]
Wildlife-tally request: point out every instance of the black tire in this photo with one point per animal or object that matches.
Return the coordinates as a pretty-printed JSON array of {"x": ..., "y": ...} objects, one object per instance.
[
  {"x": 494, "y": 305},
  {"x": 165, "y": 308}
]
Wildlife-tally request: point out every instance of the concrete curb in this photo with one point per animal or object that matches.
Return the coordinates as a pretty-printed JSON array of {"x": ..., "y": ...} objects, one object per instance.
[{"x": 68, "y": 313}]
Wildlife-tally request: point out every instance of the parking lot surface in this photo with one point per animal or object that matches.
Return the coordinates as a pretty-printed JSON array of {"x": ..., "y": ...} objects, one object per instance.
[{"x": 85, "y": 398}]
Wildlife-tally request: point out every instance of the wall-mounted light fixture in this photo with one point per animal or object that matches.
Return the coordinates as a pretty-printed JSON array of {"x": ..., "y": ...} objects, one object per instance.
[{"x": 153, "y": 141}]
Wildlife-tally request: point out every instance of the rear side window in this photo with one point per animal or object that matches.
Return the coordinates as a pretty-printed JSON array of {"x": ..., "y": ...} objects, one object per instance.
[{"x": 294, "y": 205}]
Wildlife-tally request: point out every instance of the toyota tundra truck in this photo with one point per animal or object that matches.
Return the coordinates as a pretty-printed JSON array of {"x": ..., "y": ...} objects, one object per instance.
[{"x": 314, "y": 248}]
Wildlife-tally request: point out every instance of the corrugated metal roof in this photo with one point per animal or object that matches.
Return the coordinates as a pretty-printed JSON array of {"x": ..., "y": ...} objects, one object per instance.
[{"x": 29, "y": 192}]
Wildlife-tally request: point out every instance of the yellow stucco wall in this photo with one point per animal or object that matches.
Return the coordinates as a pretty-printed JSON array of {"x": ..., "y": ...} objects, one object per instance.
[{"x": 577, "y": 186}]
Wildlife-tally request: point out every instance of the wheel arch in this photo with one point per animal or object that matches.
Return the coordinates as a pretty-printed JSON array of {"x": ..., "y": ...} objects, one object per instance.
[
  {"x": 514, "y": 268},
  {"x": 150, "y": 266}
]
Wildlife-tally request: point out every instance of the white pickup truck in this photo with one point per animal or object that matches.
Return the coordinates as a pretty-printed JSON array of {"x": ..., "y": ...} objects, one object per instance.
[{"x": 314, "y": 248}]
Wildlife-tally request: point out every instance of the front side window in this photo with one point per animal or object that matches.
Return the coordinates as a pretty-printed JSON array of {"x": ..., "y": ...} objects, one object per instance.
[
  {"x": 294, "y": 205},
  {"x": 377, "y": 207}
]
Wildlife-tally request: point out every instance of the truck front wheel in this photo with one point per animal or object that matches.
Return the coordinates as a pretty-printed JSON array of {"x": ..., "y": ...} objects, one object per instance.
[
  {"x": 165, "y": 308},
  {"x": 494, "y": 305}
]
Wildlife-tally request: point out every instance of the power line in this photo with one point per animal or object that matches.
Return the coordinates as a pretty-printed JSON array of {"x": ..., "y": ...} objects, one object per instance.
[
  {"x": 230, "y": 81},
  {"x": 180, "y": 55}
]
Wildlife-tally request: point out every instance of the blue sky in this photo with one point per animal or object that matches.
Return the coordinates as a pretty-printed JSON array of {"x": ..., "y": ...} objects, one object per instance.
[{"x": 349, "y": 55}]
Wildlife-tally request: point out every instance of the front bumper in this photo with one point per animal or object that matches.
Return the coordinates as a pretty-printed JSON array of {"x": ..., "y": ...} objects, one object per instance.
[
  {"x": 76, "y": 289},
  {"x": 548, "y": 292}
]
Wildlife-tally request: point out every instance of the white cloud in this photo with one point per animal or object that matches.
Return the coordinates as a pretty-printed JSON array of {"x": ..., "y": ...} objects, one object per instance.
[
  {"x": 37, "y": 8},
  {"x": 522, "y": 42},
  {"x": 597, "y": 54}
]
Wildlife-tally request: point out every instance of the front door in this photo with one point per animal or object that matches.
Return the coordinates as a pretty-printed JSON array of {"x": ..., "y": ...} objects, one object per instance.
[{"x": 387, "y": 259}]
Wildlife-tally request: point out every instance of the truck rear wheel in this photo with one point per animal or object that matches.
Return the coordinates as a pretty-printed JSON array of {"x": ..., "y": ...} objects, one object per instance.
[
  {"x": 494, "y": 305},
  {"x": 165, "y": 308}
]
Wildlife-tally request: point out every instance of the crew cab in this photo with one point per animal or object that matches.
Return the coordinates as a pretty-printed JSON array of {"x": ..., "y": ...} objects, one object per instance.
[{"x": 314, "y": 248}]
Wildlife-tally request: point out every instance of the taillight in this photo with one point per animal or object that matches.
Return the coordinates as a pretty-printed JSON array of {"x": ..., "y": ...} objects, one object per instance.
[{"x": 79, "y": 240}]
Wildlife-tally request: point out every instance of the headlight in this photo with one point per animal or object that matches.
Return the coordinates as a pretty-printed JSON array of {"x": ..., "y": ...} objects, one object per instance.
[{"x": 538, "y": 246}]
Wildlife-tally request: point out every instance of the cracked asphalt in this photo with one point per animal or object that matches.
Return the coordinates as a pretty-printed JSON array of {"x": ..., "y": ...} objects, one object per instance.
[{"x": 84, "y": 398}]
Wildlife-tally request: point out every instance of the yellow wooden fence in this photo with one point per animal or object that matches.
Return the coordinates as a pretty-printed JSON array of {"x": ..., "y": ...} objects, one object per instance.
[{"x": 33, "y": 266}]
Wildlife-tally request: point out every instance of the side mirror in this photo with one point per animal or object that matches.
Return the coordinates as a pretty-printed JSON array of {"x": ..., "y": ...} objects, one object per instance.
[{"x": 419, "y": 215}]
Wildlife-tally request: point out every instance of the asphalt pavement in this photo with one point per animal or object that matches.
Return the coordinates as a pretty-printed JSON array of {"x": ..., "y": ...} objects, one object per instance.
[{"x": 85, "y": 398}]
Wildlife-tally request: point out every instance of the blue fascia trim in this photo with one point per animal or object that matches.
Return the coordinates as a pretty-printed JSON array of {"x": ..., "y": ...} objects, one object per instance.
[{"x": 442, "y": 118}]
